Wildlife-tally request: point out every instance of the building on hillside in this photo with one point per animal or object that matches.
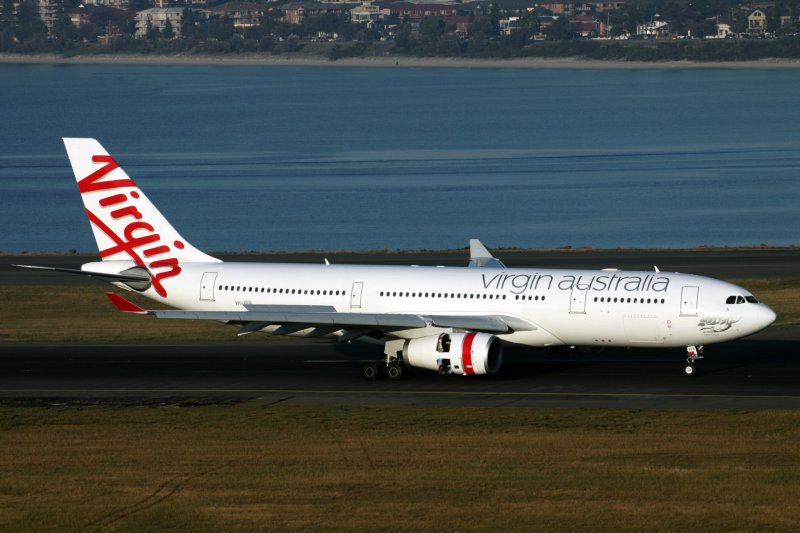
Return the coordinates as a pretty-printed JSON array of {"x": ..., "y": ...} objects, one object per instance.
[
  {"x": 48, "y": 11},
  {"x": 558, "y": 8},
  {"x": 654, "y": 29},
  {"x": 157, "y": 17},
  {"x": 508, "y": 25},
  {"x": 296, "y": 12},
  {"x": 757, "y": 22},
  {"x": 417, "y": 12},
  {"x": 588, "y": 27},
  {"x": 723, "y": 30},
  {"x": 368, "y": 13},
  {"x": 117, "y": 4},
  {"x": 241, "y": 14},
  {"x": 603, "y": 7}
]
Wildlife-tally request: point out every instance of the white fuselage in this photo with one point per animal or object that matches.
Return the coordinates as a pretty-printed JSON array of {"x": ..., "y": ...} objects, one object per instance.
[{"x": 562, "y": 307}]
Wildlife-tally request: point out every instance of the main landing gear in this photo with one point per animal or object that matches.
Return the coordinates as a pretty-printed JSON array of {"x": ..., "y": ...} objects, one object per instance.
[
  {"x": 393, "y": 370},
  {"x": 392, "y": 367},
  {"x": 693, "y": 353}
]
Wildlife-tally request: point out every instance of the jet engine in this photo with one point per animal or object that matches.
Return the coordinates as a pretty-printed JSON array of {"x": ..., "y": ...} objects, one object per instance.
[{"x": 456, "y": 353}]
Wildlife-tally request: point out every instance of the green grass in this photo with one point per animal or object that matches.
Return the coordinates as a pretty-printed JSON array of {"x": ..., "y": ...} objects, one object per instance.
[
  {"x": 83, "y": 314},
  {"x": 333, "y": 468}
]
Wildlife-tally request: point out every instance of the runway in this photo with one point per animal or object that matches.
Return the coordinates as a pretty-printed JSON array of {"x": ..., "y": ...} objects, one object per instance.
[{"x": 761, "y": 372}]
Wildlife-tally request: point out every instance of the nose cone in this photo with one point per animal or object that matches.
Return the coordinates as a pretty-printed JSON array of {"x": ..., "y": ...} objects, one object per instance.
[
  {"x": 767, "y": 317},
  {"x": 761, "y": 318}
]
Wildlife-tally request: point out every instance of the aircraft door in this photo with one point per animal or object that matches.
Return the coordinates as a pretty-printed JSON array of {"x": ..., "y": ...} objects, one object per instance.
[
  {"x": 355, "y": 294},
  {"x": 577, "y": 301},
  {"x": 689, "y": 301},
  {"x": 207, "y": 286}
]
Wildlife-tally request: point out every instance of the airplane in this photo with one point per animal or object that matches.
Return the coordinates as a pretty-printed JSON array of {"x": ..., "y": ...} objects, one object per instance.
[{"x": 452, "y": 320}]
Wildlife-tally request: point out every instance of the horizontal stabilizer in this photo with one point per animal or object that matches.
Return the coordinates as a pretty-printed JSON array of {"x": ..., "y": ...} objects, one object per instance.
[
  {"x": 125, "y": 305},
  {"x": 105, "y": 276}
]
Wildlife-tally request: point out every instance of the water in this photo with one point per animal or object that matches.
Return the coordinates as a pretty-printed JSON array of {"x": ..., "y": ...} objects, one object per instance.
[{"x": 242, "y": 158}]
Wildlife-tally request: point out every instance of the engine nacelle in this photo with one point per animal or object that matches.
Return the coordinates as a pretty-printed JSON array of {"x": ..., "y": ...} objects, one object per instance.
[{"x": 456, "y": 353}]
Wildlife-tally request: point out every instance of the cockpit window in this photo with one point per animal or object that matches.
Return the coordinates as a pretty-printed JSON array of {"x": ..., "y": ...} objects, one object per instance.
[{"x": 741, "y": 299}]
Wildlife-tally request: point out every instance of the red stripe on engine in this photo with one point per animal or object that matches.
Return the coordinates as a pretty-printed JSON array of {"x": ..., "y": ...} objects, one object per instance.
[{"x": 466, "y": 353}]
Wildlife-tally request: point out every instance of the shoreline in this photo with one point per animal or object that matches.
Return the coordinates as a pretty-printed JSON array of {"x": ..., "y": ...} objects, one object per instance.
[{"x": 294, "y": 60}]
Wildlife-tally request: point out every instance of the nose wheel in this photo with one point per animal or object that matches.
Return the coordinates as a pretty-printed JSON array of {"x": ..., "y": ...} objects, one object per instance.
[{"x": 693, "y": 353}]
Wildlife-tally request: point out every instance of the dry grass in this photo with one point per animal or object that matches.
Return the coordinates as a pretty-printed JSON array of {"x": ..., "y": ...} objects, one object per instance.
[
  {"x": 329, "y": 468},
  {"x": 83, "y": 314}
]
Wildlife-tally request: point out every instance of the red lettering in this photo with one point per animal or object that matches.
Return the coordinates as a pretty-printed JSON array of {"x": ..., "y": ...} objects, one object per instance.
[
  {"x": 174, "y": 270},
  {"x": 129, "y": 211},
  {"x": 156, "y": 251},
  {"x": 92, "y": 181},
  {"x": 127, "y": 246},
  {"x": 136, "y": 234},
  {"x": 113, "y": 200}
]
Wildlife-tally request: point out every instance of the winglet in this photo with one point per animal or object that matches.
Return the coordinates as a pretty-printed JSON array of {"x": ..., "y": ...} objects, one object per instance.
[{"x": 125, "y": 305}]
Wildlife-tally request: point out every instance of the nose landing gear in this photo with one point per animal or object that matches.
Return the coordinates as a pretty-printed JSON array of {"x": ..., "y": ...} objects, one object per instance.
[{"x": 693, "y": 353}]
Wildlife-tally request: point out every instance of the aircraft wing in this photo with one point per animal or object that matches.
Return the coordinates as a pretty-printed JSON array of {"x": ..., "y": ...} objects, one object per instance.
[{"x": 296, "y": 317}]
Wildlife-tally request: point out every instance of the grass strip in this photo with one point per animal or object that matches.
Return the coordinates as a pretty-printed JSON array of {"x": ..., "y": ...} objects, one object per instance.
[{"x": 283, "y": 467}]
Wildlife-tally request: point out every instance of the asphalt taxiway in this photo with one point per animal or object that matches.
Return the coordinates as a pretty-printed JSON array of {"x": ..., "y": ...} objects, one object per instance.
[{"x": 760, "y": 372}]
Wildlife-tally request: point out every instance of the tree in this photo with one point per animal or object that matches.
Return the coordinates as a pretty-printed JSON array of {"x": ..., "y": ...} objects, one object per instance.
[
  {"x": 402, "y": 37},
  {"x": 220, "y": 28},
  {"x": 559, "y": 30},
  {"x": 168, "y": 32},
  {"x": 151, "y": 33},
  {"x": 632, "y": 16},
  {"x": 430, "y": 29},
  {"x": 7, "y": 14},
  {"x": 28, "y": 25}
]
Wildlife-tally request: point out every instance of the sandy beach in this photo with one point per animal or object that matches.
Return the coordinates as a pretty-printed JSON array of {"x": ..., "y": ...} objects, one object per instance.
[{"x": 297, "y": 60}]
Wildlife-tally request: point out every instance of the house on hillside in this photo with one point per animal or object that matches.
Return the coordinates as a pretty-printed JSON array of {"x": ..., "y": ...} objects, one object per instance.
[
  {"x": 417, "y": 12},
  {"x": 368, "y": 13},
  {"x": 655, "y": 29},
  {"x": 157, "y": 17},
  {"x": 757, "y": 22},
  {"x": 241, "y": 14},
  {"x": 296, "y": 12}
]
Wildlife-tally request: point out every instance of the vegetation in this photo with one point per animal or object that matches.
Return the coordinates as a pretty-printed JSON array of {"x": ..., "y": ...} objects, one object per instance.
[{"x": 211, "y": 468}]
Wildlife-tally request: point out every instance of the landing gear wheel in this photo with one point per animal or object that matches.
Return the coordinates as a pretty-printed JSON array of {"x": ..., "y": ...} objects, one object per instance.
[
  {"x": 689, "y": 369},
  {"x": 371, "y": 371},
  {"x": 394, "y": 371}
]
